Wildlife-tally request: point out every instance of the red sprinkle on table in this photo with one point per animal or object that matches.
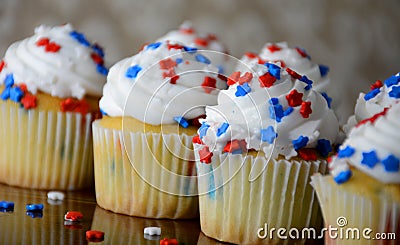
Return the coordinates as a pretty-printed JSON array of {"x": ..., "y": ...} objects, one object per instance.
[
  {"x": 167, "y": 241},
  {"x": 73, "y": 216},
  {"x": 94, "y": 236}
]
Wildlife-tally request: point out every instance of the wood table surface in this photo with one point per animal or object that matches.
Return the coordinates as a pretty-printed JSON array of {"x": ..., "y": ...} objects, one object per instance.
[{"x": 17, "y": 227}]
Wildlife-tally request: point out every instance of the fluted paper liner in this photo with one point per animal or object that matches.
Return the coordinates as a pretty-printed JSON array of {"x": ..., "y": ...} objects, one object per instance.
[
  {"x": 232, "y": 208},
  {"x": 45, "y": 149},
  {"x": 136, "y": 174},
  {"x": 380, "y": 214}
]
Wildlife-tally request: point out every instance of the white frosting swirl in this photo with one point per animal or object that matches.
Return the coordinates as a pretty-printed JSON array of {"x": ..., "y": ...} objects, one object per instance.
[
  {"x": 188, "y": 35},
  {"x": 143, "y": 83},
  {"x": 375, "y": 101},
  {"x": 372, "y": 147},
  {"x": 249, "y": 114},
  {"x": 67, "y": 71}
]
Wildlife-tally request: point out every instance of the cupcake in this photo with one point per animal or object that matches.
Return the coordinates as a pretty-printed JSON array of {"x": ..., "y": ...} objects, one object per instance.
[
  {"x": 381, "y": 95},
  {"x": 188, "y": 35},
  {"x": 144, "y": 163},
  {"x": 362, "y": 192},
  {"x": 51, "y": 85},
  {"x": 256, "y": 151}
]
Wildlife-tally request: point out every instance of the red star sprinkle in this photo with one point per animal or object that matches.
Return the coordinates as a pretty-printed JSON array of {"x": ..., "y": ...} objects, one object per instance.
[
  {"x": 186, "y": 30},
  {"x": 294, "y": 98},
  {"x": 234, "y": 145},
  {"x": 94, "y": 235},
  {"x": 308, "y": 154},
  {"x": 267, "y": 80},
  {"x": 167, "y": 64},
  {"x": 250, "y": 55},
  {"x": 209, "y": 84},
  {"x": 97, "y": 59},
  {"x": 73, "y": 216},
  {"x": 167, "y": 241},
  {"x": 169, "y": 73},
  {"x": 233, "y": 78},
  {"x": 273, "y": 48},
  {"x": 305, "y": 109},
  {"x": 293, "y": 74},
  {"x": 174, "y": 46},
  {"x": 261, "y": 61},
  {"x": 201, "y": 42},
  {"x": 174, "y": 79},
  {"x": 196, "y": 139},
  {"x": 73, "y": 105},
  {"x": 301, "y": 52},
  {"x": 49, "y": 46},
  {"x": 245, "y": 78},
  {"x": 205, "y": 155},
  {"x": 2, "y": 65},
  {"x": 29, "y": 101},
  {"x": 377, "y": 84}
]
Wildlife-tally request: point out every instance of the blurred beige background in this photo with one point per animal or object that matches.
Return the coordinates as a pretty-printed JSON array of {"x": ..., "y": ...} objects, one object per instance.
[{"x": 359, "y": 39}]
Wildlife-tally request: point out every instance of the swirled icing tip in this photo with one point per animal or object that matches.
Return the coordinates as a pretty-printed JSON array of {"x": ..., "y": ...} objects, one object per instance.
[
  {"x": 371, "y": 147},
  {"x": 269, "y": 98}
]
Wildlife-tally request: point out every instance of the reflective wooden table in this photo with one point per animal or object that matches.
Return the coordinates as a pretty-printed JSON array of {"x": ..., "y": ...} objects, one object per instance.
[{"x": 20, "y": 227}]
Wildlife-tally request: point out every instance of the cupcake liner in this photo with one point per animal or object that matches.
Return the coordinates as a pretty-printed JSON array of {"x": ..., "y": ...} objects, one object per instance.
[
  {"x": 45, "y": 149},
  {"x": 122, "y": 229},
  {"x": 232, "y": 208},
  {"x": 345, "y": 210},
  {"x": 136, "y": 174}
]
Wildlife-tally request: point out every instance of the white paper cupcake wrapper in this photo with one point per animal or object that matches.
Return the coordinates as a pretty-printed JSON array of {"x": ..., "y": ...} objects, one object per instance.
[
  {"x": 140, "y": 180},
  {"x": 45, "y": 149},
  {"x": 232, "y": 208},
  {"x": 379, "y": 214}
]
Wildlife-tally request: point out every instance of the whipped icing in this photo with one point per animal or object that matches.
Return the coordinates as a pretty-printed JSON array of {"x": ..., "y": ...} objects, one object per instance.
[
  {"x": 58, "y": 61},
  {"x": 188, "y": 35},
  {"x": 372, "y": 147},
  {"x": 382, "y": 95},
  {"x": 245, "y": 111},
  {"x": 163, "y": 82}
]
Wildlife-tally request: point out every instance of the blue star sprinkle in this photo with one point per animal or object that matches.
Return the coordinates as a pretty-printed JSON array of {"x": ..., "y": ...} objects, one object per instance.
[
  {"x": 393, "y": 80},
  {"x": 343, "y": 177},
  {"x": 242, "y": 90},
  {"x": 274, "y": 70},
  {"x": 133, "y": 71},
  {"x": 324, "y": 147},
  {"x": 268, "y": 134},
  {"x": 300, "y": 142},
  {"x": 395, "y": 92},
  {"x": 323, "y": 69},
  {"x": 346, "y": 152},
  {"x": 391, "y": 163},
  {"x": 370, "y": 159},
  {"x": 221, "y": 130},
  {"x": 9, "y": 80}
]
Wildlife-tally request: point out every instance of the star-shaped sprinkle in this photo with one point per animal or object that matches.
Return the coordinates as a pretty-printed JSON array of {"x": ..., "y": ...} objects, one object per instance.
[
  {"x": 369, "y": 159},
  {"x": 268, "y": 134},
  {"x": 242, "y": 90},
  {"x": 222, "y": 129},
  {"x": 196, "y": 140},
  {"x": 235, "y": 146},
  {"x": 245, "y": 78},
  {"x": 273, "y": 48},
  {"x": 209, "y": 84},
  {"x": 167, "y": 64},
  {"x": 133, "y": 71},
  {"x": 300, "y": 142},
  {"x": 203, "y": 129},
  {"x": 276, "y": 112},
  {"x": 205, "y": 155},
  {"x": 293, "y": 74},
  {"x": 393, "y": 80},
  {"x": 16, "y": 94},
  {"x": 305, "y": 109},
  {"x": 391, "y": 163},
  {"x": 29, "y": 101},
  {"x": 274, "y": 70},
  {"x": 395, "y": 92},
  {"x": 377, "y": 84},
  {"x": 233, "y": 78},
  {"x": 294, "y": 98},
  {"x": 346, "y": 152},
  {"x": 343, "y": 177},
  {"x": 323, "y": 70},
  {"x": 9, "y": 80},
  {"x": 267, "y": 80},
  {"x": 324, "y": 147},
  {"x": 371, "y": 94}
]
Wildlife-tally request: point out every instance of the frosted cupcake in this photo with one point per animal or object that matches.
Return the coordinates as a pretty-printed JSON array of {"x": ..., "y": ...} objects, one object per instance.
[
  {"x": 382, "y": 95},
  {"x": 363, "y": 188},
  {"x": 256, "y": 151},
  {"x": 50, "y": 87},
  {"x": 143, "y": 144}
]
